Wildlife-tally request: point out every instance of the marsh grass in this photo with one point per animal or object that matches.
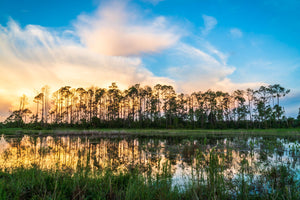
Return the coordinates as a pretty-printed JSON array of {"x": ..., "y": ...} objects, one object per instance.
[
  {"x": 153, "y": 132},
  {"x": 35, "y": 183},
  {"x": 208, "y": 181},
  {"x": 209, "y": 178}
]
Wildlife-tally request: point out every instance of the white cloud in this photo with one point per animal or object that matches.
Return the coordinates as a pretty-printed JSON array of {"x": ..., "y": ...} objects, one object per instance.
[
  {"x": 100, "y": 51},
  {"x": 236, "y": 33},
  {"x": 209, "y": 24},
  {"x": 114, "y": 30},
  {"x": 222, "y": 57},
  {"x": 199, "y": 70},
  {"x": 34, "y": 56}
]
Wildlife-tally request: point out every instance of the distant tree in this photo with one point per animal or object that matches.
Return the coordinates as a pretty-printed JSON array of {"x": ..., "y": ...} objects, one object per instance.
[
  {"x": 133, "y": 95},
  {"x": 45, "y": 91},
  {"x": 39, "y": 99},
  {"x": 263, "y": 109},
  {"x": 241, "y": 108},
  {"x": 157, "y": 89},
  {"x": 23, "y": 111},
  {"x": 114, "y": 96},
  {"x": 19, "y": 117},
  {"x": 15, "y": 118},
  {"x": 99, "y": 100},
  {"x": 278, "y": 91},
  {"x": 81, "y": 106},
  {"x": 250, "y": 97},
  {"x": 26, "y": 114},
  {"x": 155, "y": 107}
]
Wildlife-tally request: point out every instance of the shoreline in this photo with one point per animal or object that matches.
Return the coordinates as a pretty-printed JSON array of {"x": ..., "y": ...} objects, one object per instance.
[{"x": 152, "y": 132}]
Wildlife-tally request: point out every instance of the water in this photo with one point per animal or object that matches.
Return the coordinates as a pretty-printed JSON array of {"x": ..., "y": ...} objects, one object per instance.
[{"x": 150, "y": 155}]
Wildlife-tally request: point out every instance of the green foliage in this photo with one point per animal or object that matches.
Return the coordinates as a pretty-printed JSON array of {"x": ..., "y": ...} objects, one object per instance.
[
  {"x": 38, "y": 184},
  {"x": 35, "y": 183}
]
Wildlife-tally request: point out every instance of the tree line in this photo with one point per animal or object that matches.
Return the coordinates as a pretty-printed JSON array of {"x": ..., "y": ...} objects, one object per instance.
[{"x": 153, "y": 107}]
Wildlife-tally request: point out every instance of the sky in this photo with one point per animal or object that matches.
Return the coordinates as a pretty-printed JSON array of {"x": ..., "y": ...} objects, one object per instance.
[{"x": 192, "y": 45}]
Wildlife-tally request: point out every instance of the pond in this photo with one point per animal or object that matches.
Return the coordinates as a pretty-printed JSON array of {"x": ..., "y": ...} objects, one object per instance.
[{"x": 185, "y": 159}]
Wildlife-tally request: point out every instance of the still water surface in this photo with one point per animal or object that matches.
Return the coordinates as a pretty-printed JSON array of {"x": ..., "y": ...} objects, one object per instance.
[{"x": 149, "y": 155}]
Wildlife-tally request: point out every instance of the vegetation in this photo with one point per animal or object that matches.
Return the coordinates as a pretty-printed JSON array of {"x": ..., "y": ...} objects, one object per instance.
[
  {"x": 157, "y": 107},
  {"x": 213, "y": 166},
  {"x": 195, "y": 133},
  {"x": 34, "y": 183}
]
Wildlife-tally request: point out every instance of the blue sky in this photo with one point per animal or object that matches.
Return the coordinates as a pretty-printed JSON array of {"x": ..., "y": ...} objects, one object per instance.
[{"x": 193, "y": 44}]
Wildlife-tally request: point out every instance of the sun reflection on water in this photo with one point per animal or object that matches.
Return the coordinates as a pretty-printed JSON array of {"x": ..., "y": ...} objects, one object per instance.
[{"x": 75, "y": 153}]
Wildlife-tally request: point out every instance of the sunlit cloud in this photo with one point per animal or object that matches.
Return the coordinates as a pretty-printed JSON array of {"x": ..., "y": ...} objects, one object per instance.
[
  {"x": 107, "y": 46},
  {"x": 199, "y": 70},
  {"x": 113, "y": 30},
  {"x": 33, "y": 57}
]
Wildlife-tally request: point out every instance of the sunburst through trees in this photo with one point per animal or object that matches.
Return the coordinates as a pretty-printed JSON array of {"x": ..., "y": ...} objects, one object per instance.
[{"x": 154, "y": 107}]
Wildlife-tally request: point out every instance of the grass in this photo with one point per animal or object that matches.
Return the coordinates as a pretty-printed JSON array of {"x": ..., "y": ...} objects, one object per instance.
[
  {"x": 155, "y": 132},
  {"x": 35, "y": 183},
  {"x": 208, "y": 182}
]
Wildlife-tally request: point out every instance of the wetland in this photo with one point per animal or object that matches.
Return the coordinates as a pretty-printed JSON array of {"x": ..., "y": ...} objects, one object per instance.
[{"x": 87, "y": 165}]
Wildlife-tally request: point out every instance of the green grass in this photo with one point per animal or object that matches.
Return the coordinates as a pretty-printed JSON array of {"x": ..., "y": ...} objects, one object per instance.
[
  {"x": 34, "y": 183},
  {"x": 154, "y": 132},
  {"x": 207, "y": 182}
]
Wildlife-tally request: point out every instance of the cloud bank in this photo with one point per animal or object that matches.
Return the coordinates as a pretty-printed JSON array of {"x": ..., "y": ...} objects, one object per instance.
[
  {"x": 33, "y": 57},
  {"x": 199, "y": 70},
  {"x": 114, "y": 31},
  {"x": 104, "y": 47}
]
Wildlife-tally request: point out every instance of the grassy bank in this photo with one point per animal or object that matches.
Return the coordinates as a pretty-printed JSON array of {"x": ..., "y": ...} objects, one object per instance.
[{"x": 154, "y": 132}]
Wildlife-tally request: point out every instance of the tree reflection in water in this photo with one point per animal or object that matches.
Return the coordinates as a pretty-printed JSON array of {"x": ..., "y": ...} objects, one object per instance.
[{"x": 186, "y": 157}]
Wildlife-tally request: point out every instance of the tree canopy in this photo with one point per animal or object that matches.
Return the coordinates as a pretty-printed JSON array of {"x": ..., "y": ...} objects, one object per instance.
[{"x": 154, "y": 107}]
